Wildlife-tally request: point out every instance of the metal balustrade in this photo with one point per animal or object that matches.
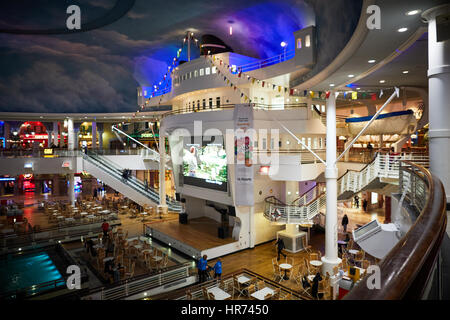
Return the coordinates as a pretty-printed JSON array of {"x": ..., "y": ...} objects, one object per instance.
[
  {"x": 113, "y": 170},
  {"x": 138, "y": 285},
  {"x": 310, "y": 204}
]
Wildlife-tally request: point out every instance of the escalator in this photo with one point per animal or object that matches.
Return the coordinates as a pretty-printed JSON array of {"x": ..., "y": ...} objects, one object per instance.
[{"x": 111, "y": 173}]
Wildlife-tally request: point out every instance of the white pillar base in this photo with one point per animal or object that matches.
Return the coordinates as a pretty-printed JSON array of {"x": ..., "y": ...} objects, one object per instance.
[
  {"x": 162, "y": 209},
  {"x": 329, "y": 264}
]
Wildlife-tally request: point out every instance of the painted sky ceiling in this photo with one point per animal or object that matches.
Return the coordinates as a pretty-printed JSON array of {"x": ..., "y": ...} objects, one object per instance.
[{"x": 99, "y": 70}]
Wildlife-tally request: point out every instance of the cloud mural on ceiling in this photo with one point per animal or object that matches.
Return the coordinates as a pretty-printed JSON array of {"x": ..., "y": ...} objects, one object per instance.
[{"x": 99, "y": 70}]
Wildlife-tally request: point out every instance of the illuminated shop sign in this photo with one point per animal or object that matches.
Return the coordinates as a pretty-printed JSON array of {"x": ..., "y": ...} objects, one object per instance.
[
  {"x": 7, "y": 179},
  {"x": 36, "y": 136},
  {"x": 48, "y": 151}
]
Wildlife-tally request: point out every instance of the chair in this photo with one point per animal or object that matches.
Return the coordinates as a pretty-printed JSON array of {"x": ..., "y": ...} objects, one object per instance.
[
  {"x": 260, "y": 284},
  {"x": 237, "y": 286},
  {"x": 297, "y": 273},
  {"x": 314, "y": 256},
  {"x": 365, "y": 264},
  {"x": 290, "y": 260},
  {"x": 130, "y": 273},
  {"x": 251, "y": 289},
  {"x": 359, "y": 257},
  {"x": 205, "y": 293},
  {"x": 306, "y": 247},
  {"x": 276, "y": 294},
  {"x": 277, "y": 276}
]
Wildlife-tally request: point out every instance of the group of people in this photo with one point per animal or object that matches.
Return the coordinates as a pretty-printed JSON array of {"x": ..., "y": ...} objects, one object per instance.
[
  {"x": 365, "y": 203},
  {"x": 203, "y": 269}
]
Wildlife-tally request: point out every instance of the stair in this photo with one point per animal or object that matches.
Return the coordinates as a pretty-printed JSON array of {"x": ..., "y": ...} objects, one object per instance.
[
  {"x": 381, "y": 173},
  {"x": 110, "y": 173}
]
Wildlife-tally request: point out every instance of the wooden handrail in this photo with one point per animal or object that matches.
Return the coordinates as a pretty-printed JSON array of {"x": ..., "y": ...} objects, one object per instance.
[{"x": 406, "y": 269}]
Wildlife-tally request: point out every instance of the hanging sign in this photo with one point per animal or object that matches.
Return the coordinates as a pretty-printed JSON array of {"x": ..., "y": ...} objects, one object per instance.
[{"x": 243, "y": 148}]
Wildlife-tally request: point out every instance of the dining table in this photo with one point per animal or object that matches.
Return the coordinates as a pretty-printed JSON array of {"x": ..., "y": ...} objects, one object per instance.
[
  {"x": 219, "y": 294},
  {"x": 285, "y": 267},
  {"x": 262, "y": 293}
]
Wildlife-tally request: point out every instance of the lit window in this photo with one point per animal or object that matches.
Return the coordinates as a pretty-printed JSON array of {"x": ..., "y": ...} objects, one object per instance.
[
  {"x": 190, "y": 75},
  {"x": 207, "y": 71},
  {"x": 202, "y": 72},
  {"x": 213, "y": 70},
  {"x": 299, "y": 43},
  {"x": 323, "y": 108},
  {"x": 195, "y": 74},
  {"x": 308, "y": 41}
]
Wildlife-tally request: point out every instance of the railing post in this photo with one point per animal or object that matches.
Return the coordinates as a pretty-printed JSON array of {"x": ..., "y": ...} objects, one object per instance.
[{"x": 126, "y": 287}]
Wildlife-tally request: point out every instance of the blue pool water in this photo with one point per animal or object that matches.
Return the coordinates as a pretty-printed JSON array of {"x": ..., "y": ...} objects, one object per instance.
[{"x": 23, "y": 271}]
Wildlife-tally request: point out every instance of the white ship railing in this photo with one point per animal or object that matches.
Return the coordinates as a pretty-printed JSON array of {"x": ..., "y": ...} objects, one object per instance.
[{"x": 305, "y": 208}]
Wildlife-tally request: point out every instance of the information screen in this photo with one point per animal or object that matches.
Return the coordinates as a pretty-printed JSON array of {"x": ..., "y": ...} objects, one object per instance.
[{"x": 205, "y": 162}]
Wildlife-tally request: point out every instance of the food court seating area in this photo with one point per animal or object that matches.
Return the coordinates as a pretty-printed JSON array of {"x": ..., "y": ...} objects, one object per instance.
[
  {"x": 241, "y": 285},
  {"x": 61, "y": 213},
  {"x": 299, "y": 272},
  {"x": 131, "y": 256}
]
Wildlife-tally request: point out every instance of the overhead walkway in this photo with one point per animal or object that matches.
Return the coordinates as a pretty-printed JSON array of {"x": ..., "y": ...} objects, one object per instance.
[
  {"x": 111, "y": 173},
  {"x": 381, "y": 172}
]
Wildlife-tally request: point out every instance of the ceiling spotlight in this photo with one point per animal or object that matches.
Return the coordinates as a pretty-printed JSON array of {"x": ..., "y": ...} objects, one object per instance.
[
  {"x": 402, "y": 29},
  {"x": 358, "y": 88},
  {"x": 382, "y": 81},
  {"x": 406, "y": 71},
  {"x": 331, "y": 84},
  {"x": 371, "y": 61},
  {"x": 413, "y": 12},
  {"x": 351, "y": 75}
]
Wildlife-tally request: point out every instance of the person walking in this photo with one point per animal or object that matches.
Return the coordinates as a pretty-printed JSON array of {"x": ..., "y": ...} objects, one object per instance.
[
  {"x": 280, "y": 246},
  {"x": 356, "y": 198},
  {"x": 201, "y": 266},
  {"x": 218, "y": 269},
  {"x": 345, "y": 222}
]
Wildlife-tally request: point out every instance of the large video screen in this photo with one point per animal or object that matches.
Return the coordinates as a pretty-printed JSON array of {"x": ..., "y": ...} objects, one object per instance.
[{"x": 205, "y": 162}]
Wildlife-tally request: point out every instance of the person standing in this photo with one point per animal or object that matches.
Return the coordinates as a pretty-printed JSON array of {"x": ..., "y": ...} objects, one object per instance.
[
  {"x": 365, "y": 204},
  {"x": 105, "y": 228},
  {"x": 345, "y": 222},
  {"x": 280, "y": 246},
  {"x": 218, "y": 269},
  {"x": 201, "y": 266}
]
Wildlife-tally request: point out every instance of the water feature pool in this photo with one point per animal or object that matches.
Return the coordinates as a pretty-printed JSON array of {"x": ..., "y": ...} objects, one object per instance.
[{"x": 22, "y": 271}]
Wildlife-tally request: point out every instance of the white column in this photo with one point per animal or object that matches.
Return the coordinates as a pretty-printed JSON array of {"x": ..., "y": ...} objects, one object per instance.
[
  {"x": 100, "y": 139},
  {"x": 331, "y": 258},
  {"x": 94, "y": 135},
  {"x": 162, "y": 171},
  {"x": 49, "y": 141},
  {"x": 439, "y": 97},
  {"x": 347, "y": 154},
  {"x": 55, "y": 133},
  {"x": 71, "y": 187},
  {"x": 76, "y": 132},
  {"x": 70, "y": 135}
]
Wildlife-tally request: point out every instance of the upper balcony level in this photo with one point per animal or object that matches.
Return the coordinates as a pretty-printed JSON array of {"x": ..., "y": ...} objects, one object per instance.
[{"x": 200, "y": 74}]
